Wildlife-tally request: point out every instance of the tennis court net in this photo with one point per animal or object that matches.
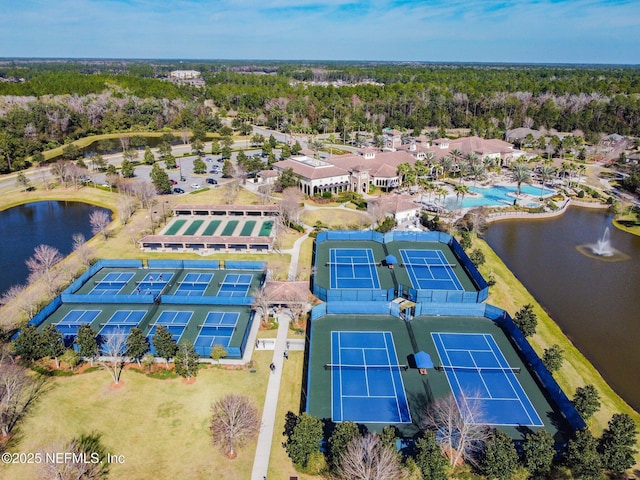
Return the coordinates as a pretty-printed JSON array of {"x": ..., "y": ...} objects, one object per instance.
[
  {"x": 342, "y": 366},
  {"x": 453, "y": 368}
]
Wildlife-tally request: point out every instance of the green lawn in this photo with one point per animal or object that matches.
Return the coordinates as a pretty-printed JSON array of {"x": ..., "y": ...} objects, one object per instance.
[{"x": 159, "y": 426}]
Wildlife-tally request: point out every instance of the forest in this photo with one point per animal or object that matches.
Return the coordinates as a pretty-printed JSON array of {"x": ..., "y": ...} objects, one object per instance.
[{"x": 45, "y": 104}]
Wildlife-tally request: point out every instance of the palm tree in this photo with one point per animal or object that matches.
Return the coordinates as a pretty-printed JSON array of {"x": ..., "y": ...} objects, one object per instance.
[
  {"x": 460, "y": 191},
  {"x": 315, "y": 145},
  {"x": 581, "y": 169},
  {"x": 463, "y": 169},
  {"x": 404, "y": 171},
  {"x": 520, "y": 174},
  {"x": 324, "y": 124},
  {"x": 447, "y": 165},
  {"x": 477, "y": 171},
  {"x": 546, "y": 172}
]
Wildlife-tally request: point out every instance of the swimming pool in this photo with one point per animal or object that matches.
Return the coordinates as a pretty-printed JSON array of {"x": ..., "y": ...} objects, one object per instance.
[{"x": 495, "y": 196}]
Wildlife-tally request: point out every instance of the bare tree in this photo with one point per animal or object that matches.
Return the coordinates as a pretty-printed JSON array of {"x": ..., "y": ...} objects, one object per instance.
[
  {"x": 42, "y": 262},
  {"x": 125, "y": 142},
  {"x": 235, "y": 420},
  {"x": 99, "y": 221},
  {"x": 145, "y": 192},
  {"x": 22, "y": 299},
  {"x": 18, "y": 391},
  {"x": 114, "y": 348},
  {"x": 60, "y": 170},
  {"x": 126, "y": 207},
  {"x": 85, "y": 459},
  {"x": 376, "y": 212},
  {"x": 261, "y": 302},
  {"x": 459, "y": 432},
  {"x": 83, "y": 251},
  {"x": 367, "y": 458},
  {"x": 231, "y": 190},
  {"x": 290, "y": 205}
]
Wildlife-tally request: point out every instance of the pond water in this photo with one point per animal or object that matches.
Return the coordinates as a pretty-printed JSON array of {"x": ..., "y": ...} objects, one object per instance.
[
  {"x": 594, "y": 301},
  {"x": 24, "y": 227}
]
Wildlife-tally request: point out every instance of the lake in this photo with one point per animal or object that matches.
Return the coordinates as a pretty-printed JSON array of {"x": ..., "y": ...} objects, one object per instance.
[
  {"x": 24, "y": 227},
  {"x": 594, "y": 302}
]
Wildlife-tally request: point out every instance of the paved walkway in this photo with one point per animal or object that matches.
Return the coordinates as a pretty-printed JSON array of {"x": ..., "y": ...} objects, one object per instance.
[{"x": 263, "y": 449}]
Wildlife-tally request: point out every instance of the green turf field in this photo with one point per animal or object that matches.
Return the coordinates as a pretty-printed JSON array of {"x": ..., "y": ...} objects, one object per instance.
[
  {"x": 212, "y": 227},
  {"x": 193, "y": 228},
  {"x": 247, "y": 229},
  {"x": 229, "y": 228},
  {"x": 175, "y": 226}
]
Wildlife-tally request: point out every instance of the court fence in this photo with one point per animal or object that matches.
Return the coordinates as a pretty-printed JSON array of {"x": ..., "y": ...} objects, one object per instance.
[
  {"x": 244, "y": 265},
  {"x": 125, "y": 299},
  {"x": 413, "y": 294},
  {"x": 204, "y": 300},
  {"x": 556, "y": 393},
  {"x": 499, "y": 316},
  {"x": 181, "y": 264}
]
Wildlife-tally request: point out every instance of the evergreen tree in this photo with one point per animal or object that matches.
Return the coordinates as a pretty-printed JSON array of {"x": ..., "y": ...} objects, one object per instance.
[
  {"x": 226, "y": 152},
  {"x": 170, "y": 162},
  {"x": 429, "y": 457},
  {"x": 87, "y": 342},
  {"x": 127, "y": 169},
  {"x": 160, "y": 179},
  {"x": 164, "y": 343},
  {"x": 538, "y": 453},
  {"x": 582, "y": 456},
  {"x": 52, "y": 343},
  {"x": 215, "y": 147},
  {"x": 272, "y": 141},
  {"x": 287, "y": 179},
  {"x": 342, "y": 434},
  {"x": 586, "y": 400},
  {"x": 500, "y": 458},
  {"x": 304, "y": 440},
  {"x": 286, "y": 151},
  {"x": 526, "y": 320},
  {"x": 149, "y": 158},
  {"x": 616, "y": 446},
  {"x": 29, "y": 345},
  {"x": 296, "y": 148},
  {"x": 186, "y": 360},
  {"x": 137, "y": 344},
  {"x": 199, "y": 166},
  {"x": 553, "y": 358}
]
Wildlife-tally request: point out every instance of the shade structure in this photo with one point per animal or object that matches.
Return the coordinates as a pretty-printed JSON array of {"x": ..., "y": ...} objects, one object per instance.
[
  {"x": 423, "y": 360},
  {"x": 390, "y": 260}
]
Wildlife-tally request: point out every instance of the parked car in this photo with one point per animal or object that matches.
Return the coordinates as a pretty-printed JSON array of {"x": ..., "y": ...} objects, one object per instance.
[
  {"x": 173, "y": 182},
  {"x": 212, "y": 181},
  {"x": 215, "y": 170},
  {"x": 178, "y": 190},
  {"x": 195, "y": 186}
]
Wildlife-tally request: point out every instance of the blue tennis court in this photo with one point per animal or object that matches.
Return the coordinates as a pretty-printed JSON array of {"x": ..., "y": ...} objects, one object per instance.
[
  {"x": 69, "y": 324},
  {"x": 353, "y": 268},
  {"x": 111, "y": 284},
  {"x": 366, "y": 383},
  {"x": 153, "y": 283},
  {"x": 430, "y": 270},
  {"x": 481, "y": 379},
  {"x": 194, "y": 284},
  {"x": 122, "y": 321},
  {"x": 235, "y": 285},
  {"x": 217, "y": 329},
  {"x": 175, "y": 322}
]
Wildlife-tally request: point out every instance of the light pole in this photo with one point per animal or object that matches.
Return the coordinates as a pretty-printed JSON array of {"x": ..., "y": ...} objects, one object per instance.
[{"x": 153, "y": 226}]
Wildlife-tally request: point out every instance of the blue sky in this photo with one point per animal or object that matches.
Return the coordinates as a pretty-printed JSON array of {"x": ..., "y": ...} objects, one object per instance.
[{"x": 536, "y": 31}]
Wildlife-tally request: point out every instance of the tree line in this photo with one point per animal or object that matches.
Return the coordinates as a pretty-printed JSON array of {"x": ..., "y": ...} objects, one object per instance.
[{"x": 54, "y": 104}]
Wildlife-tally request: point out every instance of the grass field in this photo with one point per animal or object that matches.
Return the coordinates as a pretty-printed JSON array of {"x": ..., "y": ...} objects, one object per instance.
[
  {"x": 336, "y": 218},
  {"x": 159, "y": 426}
]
